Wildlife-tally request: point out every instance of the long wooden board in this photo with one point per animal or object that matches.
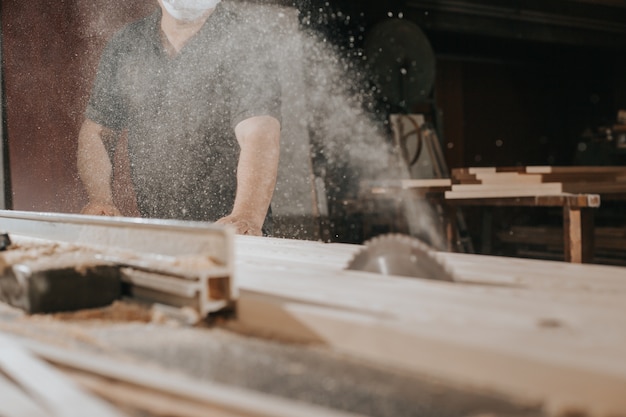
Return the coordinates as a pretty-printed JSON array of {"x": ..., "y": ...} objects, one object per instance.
[
  {"x": 516, "y": 189},
  {"x": 97, "y": 372},
  {"x": 542, "y": 169},
  {"x": 524, "y": 178},
  {"x": 15, "y": 402},
  {"x": 48, "y": 388},
  {"x": 537, "y": 331}
]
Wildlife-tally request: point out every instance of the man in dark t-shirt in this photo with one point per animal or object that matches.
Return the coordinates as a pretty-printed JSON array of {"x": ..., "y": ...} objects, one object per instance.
[{"x": 195, "y": 91}]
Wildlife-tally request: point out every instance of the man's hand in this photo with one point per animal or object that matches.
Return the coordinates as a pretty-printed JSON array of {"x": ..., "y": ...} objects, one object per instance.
[
  {"x": 95, "y": 169},
  {"x": 243, "y": 225},
  {"x": 101, "y": 209}
]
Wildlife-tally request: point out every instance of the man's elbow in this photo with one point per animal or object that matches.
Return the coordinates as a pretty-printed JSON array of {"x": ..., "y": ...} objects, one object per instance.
[{"x": 265, "y": 129}]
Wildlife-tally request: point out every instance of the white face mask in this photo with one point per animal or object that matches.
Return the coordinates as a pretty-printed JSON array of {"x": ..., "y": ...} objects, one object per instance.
[{"x": 188, "y": 10}]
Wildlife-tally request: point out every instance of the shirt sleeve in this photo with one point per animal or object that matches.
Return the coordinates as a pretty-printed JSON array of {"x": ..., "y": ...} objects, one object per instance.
[
  {"x": 256, "y": 88},
  {"x": 105, "y": 105}
]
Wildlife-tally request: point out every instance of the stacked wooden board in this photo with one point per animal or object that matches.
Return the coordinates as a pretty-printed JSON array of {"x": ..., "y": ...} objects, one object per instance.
[{"x": 494, "y": 182}]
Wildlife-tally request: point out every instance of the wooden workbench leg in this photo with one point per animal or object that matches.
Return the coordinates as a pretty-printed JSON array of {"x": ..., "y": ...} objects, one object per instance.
[
  {"x": 486, "y": 247},
  {"x": 450, "y": 227},
  {"x": 578, "y": 229}
]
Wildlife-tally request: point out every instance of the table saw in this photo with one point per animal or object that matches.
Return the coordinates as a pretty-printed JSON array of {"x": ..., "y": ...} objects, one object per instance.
[{"x": 288, "y": 329}]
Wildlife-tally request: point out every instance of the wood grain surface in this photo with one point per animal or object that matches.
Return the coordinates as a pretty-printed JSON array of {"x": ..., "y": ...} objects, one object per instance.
[{"x": 541, "y": 331}]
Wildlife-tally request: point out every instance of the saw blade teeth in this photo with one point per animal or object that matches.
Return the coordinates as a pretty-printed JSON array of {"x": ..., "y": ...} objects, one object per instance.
[{"x": 403, "y": 255}]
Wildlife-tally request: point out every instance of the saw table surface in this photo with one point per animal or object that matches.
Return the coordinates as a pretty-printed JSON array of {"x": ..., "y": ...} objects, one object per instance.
[{"x": 511, "y": 337}]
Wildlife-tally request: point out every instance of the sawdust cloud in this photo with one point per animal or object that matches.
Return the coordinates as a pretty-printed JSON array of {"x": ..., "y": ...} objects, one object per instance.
[
  {"x": 349, "y": 133},
  {"x": 328, "y": 109}
]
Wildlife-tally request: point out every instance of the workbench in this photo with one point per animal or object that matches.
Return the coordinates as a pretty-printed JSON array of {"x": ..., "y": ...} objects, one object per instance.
[
  {"x": 577, "y": 190},
  {"x": 578, "y": 211},
  {"x": 510, "y": 337},
  {"x": 578, "y": 218}
]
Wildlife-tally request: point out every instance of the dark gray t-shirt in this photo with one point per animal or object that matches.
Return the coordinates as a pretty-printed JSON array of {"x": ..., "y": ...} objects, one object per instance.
[{"x": 180, "y": 112}]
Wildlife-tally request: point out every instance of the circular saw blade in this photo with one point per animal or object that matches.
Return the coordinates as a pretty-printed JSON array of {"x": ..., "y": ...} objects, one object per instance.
[{"x": 400, "y": 255}]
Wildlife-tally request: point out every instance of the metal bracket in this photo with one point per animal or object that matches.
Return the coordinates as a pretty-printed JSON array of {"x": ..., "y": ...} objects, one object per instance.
[{"x": 179, "y": 263}]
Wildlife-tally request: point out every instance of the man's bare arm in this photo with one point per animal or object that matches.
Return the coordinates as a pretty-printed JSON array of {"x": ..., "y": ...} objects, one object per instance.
[
  {"x": 95, "y": 168},
  {"x": 259, "y": 140}
]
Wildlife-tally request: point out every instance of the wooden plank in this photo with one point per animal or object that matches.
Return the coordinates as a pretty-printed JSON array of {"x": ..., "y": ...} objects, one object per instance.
[
  {"x": 60, "y": 396},
  {"x": 397, "y": 299},
  {"x": 542, "y": 277},
  {"x": 582, "y": 177},
  {"x": 516, "y": 190},
  {"x": 216, "y": 399},
  {"x": 524, "y": 178},
  {"x": 295, "y": 256},
  {"x": 552, "y": 188},
  {"x": 426, "y": 183},
  {"x": 541, "y": 188},
  {"x": 252, "y": 249},
  {"x": 422, "y": 186},
  {"x": 594, "y": 187},
  {"x": 501, "y": 192},
  {"x": 543, "y": 331},
  {"x": 573, "y": 169},
  {"x": 508, "y": 178},
  {"x": 428, "y": 350},
  {"x": 15, "y": 402},
  {"x": 556, "y": 200},
  {"x": 139, "y": 398},
  {"x": 541, "y": 169},
  {"x": 485, "y": 170}
]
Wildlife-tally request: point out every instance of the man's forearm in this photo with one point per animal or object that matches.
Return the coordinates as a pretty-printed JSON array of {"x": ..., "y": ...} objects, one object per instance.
[
  {"x": 257, "y": 169},
  {"x": 94, "y": 165}
]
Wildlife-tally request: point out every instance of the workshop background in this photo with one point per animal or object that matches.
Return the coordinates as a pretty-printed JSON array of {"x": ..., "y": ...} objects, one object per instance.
[{"x": 515, "y": 83}]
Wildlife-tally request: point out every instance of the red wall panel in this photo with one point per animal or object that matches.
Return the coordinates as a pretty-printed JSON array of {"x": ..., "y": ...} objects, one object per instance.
[{"x": 51, "y": 50}]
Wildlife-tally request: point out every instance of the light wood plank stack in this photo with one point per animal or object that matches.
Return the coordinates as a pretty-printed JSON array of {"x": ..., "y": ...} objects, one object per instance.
[{"x": 535, "y": 181}]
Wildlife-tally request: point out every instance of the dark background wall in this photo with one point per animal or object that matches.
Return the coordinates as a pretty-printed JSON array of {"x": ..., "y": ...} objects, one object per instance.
[{"x": 517, "y": 82}]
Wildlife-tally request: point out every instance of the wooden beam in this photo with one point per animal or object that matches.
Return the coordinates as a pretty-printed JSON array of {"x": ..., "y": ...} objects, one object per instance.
[
  {"x": 152, "y": 382},
  {"x": 56, "y": 393},
  {"x": 430, "y": 349},
  {"x": 522, "y": 190},
  {"x": 522, "y": 329},
  {"x": 16, "y": 403}
]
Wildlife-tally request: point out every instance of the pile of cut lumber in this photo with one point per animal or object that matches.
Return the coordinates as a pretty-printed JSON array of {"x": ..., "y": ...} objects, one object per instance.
[{"x": 535, "y": 181}]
